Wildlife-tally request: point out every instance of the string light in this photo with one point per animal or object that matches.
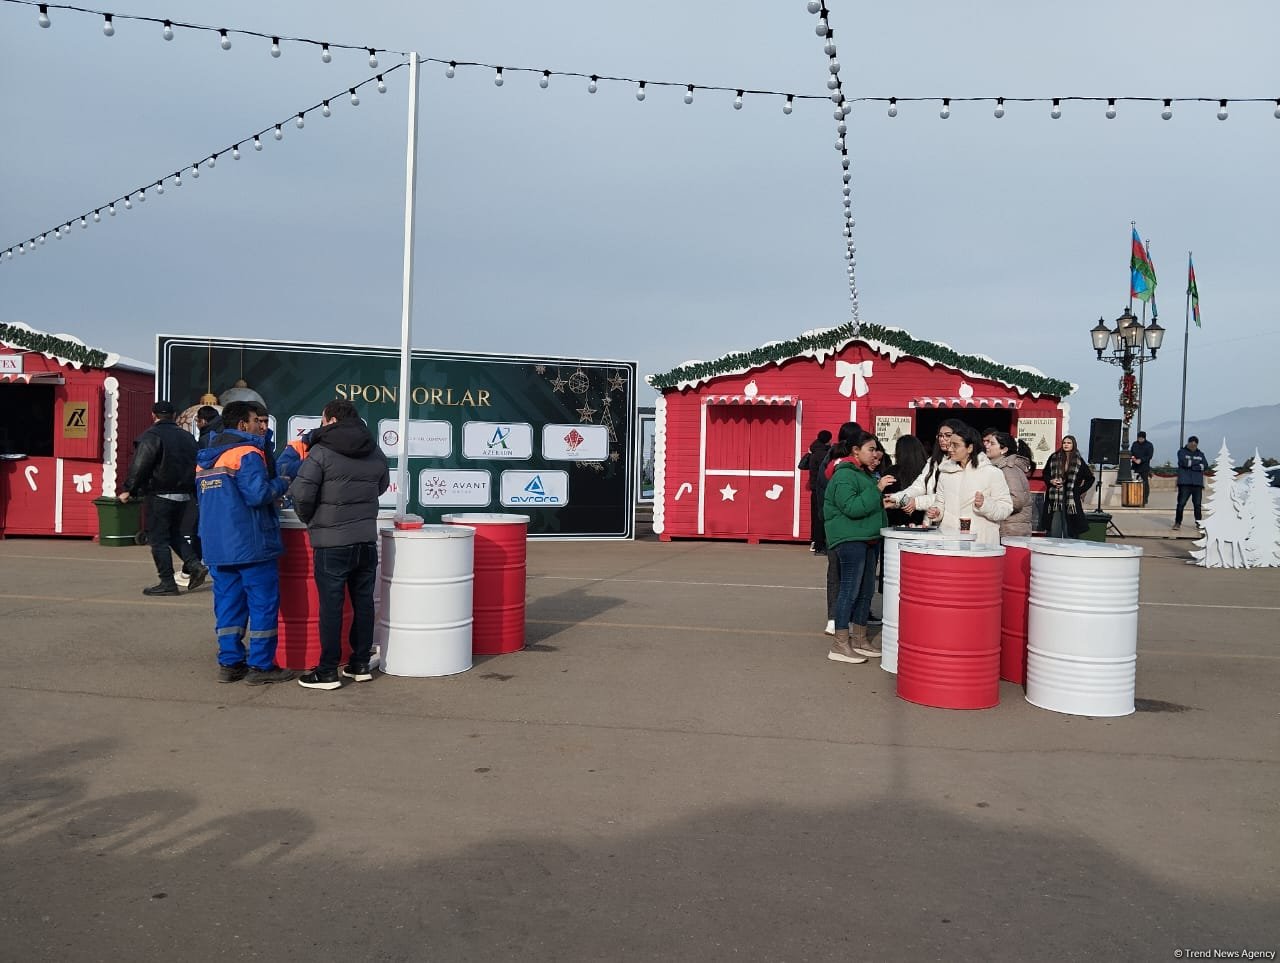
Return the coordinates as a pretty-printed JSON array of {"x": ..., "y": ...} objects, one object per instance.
[
  {"x": 382, "y": 85},
  {"x": 225, "y": 41},
  {"x": 324, "y": 53},
  {"x": 1056, "y": 112},
  {"x": 945, "y": 112},
  {"x": 108, "y": 28},
  {"x": 64, "y": 227},
  {"x": 545, "y": 80},
  {"x": 1111, "y": 108},
  {"x": 167, "y": 33},
  {"x": 1276, "y": 112},
  {"x": 355, "y": 100},
  {"x": 451, "y": 70},
  {"x": 373, "y": 58},
  {"x": 787, "y": 107},
  {"x": 737, "y": 101},
  {"x": 275, "y": 46},
  {"x": 300, "y": 122},
  {"x": 1167, "y": 113},
  {"x": 497, "y": 78},
  {"x": 640, "y": 91},
  {"x": 893, "y": 107},
  {"x": 43, "y": 19},
  {"x": 999, "y": 111},
  {"x": 593, "y": 86},
  {"x": 1222, "y": 110}
]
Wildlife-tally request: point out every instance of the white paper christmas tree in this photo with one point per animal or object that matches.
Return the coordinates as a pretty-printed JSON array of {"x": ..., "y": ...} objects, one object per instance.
[
  {"x": 1226, "y": 525},
  {"x": 1262, "y": 506}
]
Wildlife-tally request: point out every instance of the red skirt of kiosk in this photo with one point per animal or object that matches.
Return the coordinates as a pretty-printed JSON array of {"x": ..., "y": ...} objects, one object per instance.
[
  {"x": 949, "y": 624},
  {"x": 499, "y": 593},
  {"x": 298, "y": 646},
  {"x": 1014, "y": 607}
]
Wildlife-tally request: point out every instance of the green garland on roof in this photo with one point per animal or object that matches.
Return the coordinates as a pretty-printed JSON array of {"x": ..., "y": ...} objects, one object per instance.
[
  {"x": 48, "y": 344},
  {"x": 834, "y": 337}
]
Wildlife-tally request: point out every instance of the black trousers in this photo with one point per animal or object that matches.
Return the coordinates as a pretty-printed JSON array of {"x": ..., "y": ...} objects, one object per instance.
[
  {"x": 164, "y": 533},
  {"x": 1146, "y": 486},
  {"x": 341, "y": 571}
]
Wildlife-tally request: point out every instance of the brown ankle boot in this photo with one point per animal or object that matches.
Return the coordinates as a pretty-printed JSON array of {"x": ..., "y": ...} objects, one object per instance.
[
  {"x": 861, "y": 644},
  {"x": 842, "y": 651}
]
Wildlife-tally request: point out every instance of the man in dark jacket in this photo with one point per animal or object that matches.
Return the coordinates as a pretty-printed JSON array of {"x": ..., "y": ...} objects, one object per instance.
[
  {"x": 336, "y": 493},
  {"x": 812, "y": 461},
  {"x": 240, "y": 532},
  {"x": 1192, "y": 465},
  {"x": 1140, "y": 455},
  {"x": 164, "y": 469}
]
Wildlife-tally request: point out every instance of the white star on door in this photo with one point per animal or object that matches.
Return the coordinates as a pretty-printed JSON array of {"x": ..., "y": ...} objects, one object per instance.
[{"x": 727, "y": 493}]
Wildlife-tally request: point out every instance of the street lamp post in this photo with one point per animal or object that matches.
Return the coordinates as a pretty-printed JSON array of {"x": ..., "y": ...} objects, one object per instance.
[{"x": 1128, "y": 345}]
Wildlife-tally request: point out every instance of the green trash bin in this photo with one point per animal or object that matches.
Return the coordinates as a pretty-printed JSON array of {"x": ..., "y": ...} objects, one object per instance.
[
  {"x": 118, "y": 522},
  {"x": 1098, "y": 522}
]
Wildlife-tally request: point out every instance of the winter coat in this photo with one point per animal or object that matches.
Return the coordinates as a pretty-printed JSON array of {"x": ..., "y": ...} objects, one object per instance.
[
  {"x": 238, "y": 520},
  {"x": 210, "y": 431},
  {"x": 1191, "y": 467},
  {"x": 164, "y": 462},
  {"x": 852, "y": 508},
  {"x": 954, "y": 496},
  {"x": 1016, "y": 468},
  {"x": 338, "y": 484},
  {"x": 812, "y": 462},
  {"x": 1144, "y": 451}
]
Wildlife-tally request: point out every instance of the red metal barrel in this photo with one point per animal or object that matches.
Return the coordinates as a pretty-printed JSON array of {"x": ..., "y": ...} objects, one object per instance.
[
  {"x": 949, "y": 624},
  {"x": 299, "y": 626},
  {"x": 1015, "y": 598},
  {"x": 501, "y": 551}
]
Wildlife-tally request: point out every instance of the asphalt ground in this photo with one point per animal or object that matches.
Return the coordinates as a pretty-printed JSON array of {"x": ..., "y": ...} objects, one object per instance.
[{"x": 672, "y": 770}]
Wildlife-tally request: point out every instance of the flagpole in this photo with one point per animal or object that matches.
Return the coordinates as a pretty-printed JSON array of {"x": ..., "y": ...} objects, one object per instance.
[
  {"x": 406, "y": 287},
  {"x": 1133, "y": 226},
  {"x": 1186, "y": 341},
  {"x": 1142, "y": 350}
]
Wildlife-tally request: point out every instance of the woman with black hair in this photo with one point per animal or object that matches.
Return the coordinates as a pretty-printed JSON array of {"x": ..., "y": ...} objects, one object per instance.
[
  {"x": 1067, "y": 477},
  {"x": 1002, "y": 451},
  {"x": 909, "y": 459}
]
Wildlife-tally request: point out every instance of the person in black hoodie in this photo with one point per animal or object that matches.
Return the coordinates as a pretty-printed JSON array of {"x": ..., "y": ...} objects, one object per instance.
[
  {"x": 335, "y": 492},
  {"x": 164, "y": 469},
  {"x": 811, "y": 461}
]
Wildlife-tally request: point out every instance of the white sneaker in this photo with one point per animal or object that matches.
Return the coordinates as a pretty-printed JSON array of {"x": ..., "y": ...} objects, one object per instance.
[
  {"x": 182, "y": 578},
  {"x": 831, "y": 627}
]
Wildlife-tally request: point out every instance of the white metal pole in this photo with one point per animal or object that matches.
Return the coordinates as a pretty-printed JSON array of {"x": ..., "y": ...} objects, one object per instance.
[{"x": 406, "y": 306}]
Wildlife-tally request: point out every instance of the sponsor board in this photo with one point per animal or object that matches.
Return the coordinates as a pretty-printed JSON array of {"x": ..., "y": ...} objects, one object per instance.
[
  {"x": 454, "y": 487},
  {"x": 575, "y": 442},
  {"x": 496, "y": 439},
  {"x": 535, "y": 489},
  {"x": 427, "y": 439}
]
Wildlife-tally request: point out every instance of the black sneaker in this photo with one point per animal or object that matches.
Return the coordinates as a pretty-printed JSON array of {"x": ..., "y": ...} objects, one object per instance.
[
  {"x": 199, "y": 572},
  {"x": 357, "y": 670},
  {"x": 163, "y": 587},
  {"x": 232, "y": 673},
  {"x": 273, "y": 674},
  {"x": 873, "y": 619},
  {"x": 317, "y": 679}
]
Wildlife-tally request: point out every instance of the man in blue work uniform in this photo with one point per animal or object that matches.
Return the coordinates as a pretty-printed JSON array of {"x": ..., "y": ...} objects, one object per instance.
[{"x": 240, "y": 532}]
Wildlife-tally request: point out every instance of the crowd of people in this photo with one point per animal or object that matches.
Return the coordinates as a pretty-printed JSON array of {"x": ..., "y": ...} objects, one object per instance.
[
  {"x": 214, "y": 502},
  {"x": 976, "y": 482}
]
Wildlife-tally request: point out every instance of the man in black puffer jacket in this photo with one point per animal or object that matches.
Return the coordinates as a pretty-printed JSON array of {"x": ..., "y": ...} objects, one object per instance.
[
  {"x": 164, "y": 469},
  {"x": 335, "y": 492}
]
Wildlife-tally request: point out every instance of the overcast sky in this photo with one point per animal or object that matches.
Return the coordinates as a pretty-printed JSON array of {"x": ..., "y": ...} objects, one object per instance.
[{"x": 553, "y": 221}]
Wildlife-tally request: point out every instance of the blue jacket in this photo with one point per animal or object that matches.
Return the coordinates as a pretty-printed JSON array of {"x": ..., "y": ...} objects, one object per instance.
[
  {"x": 1191, "y": 467},
  {"x": 238, "y": 520}
]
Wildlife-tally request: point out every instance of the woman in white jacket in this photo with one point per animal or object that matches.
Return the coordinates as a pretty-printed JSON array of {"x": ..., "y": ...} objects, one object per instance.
[{"x": 969, "y": 487}]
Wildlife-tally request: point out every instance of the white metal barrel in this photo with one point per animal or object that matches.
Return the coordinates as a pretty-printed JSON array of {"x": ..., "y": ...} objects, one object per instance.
[
  {"x": 424, "y": 617},
  {"x": 1082, "y": 627},
  {"x": 890, "y": 594}
]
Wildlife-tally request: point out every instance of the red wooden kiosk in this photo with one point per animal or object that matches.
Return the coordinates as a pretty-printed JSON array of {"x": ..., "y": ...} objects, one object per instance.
[
  {"x": 730, "y": 432},
  {"x": 69, "y": 415}
]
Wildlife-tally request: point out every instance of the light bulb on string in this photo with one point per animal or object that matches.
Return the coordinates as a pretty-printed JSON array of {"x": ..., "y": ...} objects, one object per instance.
[
  {"x": 257, "y": 144},
  {"x": 844, "y": 162},
  {"x": 195, "y": 171},
  {"x": 300, "y": 122},
  {"x": 212, "y": 162},
  {"x": 57, "y": 233},
  {"x": 177, "y": 178},
  {"x": 225, "y": 41},
  {"x": 108, "y": 28},
  {"x": 840, "y": 143},
  {"x": 737, "y": 101},
  {"x": 893, "y": 107},
  {"x": 325, "y": 56},
  {"x": 97, "y": 217},
  {"x": 999, "y": 111},
  {"x": 1111, "y": 108},
  {"x": 829, "y": 48},
  {"x": 111, "y": 209},
  {"x": 382, "y": 85},
  {"x": 355, "y": 98},
  {"x": 847, "y": 177},
  {"x": 1276, "y": 112},
  {"x": 545, "y": 80},
  {"x": 275, "y": 46},
  {"x": 813, "y": 6},
  {"x": 842, "y": 128},
  {"x": 497, "y": 78},
  {"x": 235, "y": 152},
  {"x": 373, "y": 58},
  {"x": 1167, "y": 113},
  {"x": 834, "y": 66},
  {"x": 451, "y": 70},
  {"x": 846, "y": 190},
  {"x": 326, "y": 109},
  {"x": 43, "y": 19},
  {"x": 833, "y": 82},
  {"x": 640, "y": 91},
  {"x": 168, "y": 31},
  {"x": 1056, "y": 112},
  {"x": 279, "y": 134},
  {"x": 593, "y": 85},
  {"x": 160, "y": 187},
  {"x": 142, "y": 194},
  {"x": 820, "y": 28},
  {"x": 1222, "y": 110},
  {"x": 789, "y": 105},
  {"x": 688, "y": 94},
  {"x": 84, "y": 223},
  {"x": 945, "y": 112}
]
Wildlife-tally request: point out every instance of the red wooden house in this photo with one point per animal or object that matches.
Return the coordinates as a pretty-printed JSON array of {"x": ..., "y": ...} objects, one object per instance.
[
  {"x": 729, "y": 433},
  {"x": 69, "y": 415}
]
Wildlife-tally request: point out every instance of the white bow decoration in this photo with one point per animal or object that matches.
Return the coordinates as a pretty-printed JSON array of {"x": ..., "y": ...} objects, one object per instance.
[{"x": 853, "y": 377}]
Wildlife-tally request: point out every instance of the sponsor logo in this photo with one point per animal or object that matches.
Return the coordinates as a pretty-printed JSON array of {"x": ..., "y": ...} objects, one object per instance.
[
  {"x": 573, "y": 440},
  {"x": 499, "y": 439},
  {"x": 506, "y": 440},
  {"x": 455, "y": 487},
  {"x": 427, "y": 439},
  {"x": 548, "y": 489}
]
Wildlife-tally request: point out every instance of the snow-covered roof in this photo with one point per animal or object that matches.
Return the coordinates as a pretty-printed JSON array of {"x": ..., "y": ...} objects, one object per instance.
[{"x": 66, "y": 349}]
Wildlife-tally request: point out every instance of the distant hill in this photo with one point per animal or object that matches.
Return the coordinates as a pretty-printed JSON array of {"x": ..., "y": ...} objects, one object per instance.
[{"x": 1244, "y": 430}]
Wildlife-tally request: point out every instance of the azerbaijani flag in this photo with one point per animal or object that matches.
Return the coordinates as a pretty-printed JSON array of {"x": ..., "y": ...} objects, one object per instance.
[
  {"x": 1192, "y": 291},
  {"x": 1142, "y": 283}
]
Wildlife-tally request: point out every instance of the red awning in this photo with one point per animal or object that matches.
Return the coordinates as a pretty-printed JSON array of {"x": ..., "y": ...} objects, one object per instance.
[
  {"x": 749, "y": 400},
  {"x": 968, "y": 403},
  {"x": 34, "y": 378}
]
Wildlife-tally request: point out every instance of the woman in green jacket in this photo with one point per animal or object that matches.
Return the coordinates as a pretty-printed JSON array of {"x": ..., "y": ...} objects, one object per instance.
[{"x": 853, "y": 512}]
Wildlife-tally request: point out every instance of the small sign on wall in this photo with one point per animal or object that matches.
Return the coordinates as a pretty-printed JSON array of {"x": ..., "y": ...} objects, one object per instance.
[
  {"x": 75, "y": 419},
  {"x": 10, "y": 364},
  {"x": 1041, "y": 436},
  {"x": 889, "y": 428}
]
